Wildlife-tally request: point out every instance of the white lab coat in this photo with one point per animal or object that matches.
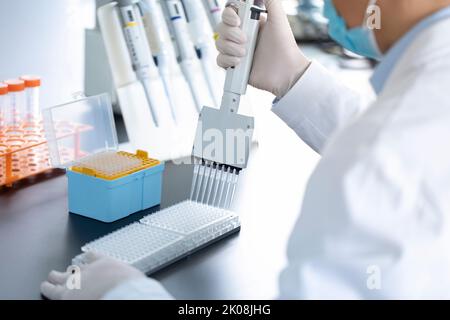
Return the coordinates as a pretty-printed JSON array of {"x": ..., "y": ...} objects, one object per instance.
[{"x": 375, "y": 221}]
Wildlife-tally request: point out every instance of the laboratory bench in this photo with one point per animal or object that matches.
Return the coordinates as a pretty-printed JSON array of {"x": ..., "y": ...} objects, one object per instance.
[{"x": 37, "y": 234}]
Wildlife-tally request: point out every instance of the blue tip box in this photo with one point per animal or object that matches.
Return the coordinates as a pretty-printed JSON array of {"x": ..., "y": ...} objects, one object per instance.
[
  {"x": 89, "y": 195},
  {"x": 111, "y": 200}
]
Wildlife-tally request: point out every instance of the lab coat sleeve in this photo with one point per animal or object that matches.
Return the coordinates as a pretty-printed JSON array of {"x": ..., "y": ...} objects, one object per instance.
[
  {"x": 138, "y": 289},
  {"x": 318, "y": 105}
]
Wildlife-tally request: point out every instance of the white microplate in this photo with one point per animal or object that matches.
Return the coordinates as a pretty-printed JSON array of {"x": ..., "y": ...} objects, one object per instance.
[
  {"x": 133, "y": 242},
  {"x": 187, "y": 217},
  {"x": 165, "y": 236}
]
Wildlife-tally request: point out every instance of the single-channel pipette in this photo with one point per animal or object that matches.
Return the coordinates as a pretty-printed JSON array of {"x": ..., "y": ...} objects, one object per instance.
[
  {"x": 140, "y": 54},
  {"x": 202, "y": 36},
  {"x": 189, "y": 62}
]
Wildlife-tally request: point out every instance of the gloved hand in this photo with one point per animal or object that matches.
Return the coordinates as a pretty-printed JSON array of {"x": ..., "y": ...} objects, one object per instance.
[
  {"x": 99, "y": 275},
  {"x": 278, "y": 62}
]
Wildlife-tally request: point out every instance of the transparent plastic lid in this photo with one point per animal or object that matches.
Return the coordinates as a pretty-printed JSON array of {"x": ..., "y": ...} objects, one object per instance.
[{"x": 79, "y": 128}]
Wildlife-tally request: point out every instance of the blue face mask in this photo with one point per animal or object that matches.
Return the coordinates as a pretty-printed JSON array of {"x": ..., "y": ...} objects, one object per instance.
[{"x": 360, "y": 40}]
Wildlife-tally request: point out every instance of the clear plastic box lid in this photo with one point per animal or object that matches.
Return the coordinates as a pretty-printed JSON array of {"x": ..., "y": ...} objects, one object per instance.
[{"x": 79, "y": 128}]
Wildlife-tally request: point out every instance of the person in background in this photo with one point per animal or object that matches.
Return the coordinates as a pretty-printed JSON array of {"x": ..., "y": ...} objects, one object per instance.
[{"x": 375, "y": 217}]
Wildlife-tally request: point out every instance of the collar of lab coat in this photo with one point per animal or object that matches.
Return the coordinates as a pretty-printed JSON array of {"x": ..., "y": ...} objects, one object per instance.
[{"x": 396, "y": 53}]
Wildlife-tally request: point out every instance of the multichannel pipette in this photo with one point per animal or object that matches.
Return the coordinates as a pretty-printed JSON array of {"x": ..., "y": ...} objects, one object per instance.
[
  {"x": 141, "y": 56},
  {"x": 214, "y": 185},
  {"x": 189, "y": 62},
  {"x": 223, "y": 137}
]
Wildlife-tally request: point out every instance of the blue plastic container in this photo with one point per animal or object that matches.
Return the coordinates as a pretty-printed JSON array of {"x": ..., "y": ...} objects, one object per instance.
[
  {"x": 111, "y": 200},
  {"x": 90, "y": 196}
]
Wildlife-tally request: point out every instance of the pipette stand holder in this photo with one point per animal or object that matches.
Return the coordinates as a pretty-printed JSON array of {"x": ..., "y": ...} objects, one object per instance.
[{"x": 167, "y": 142}]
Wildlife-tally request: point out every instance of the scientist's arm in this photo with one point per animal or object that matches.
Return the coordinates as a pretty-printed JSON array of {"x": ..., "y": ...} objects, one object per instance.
[{"x": 311, "y": 101}]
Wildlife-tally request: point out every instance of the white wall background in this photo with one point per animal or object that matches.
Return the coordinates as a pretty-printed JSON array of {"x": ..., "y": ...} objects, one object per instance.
[{"x": 47, "y": 38}]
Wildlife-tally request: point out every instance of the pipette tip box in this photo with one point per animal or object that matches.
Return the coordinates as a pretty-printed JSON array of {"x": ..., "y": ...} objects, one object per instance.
[
  {"x": 109, "y": 199},
  {"x": 103, "y": 183}
]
